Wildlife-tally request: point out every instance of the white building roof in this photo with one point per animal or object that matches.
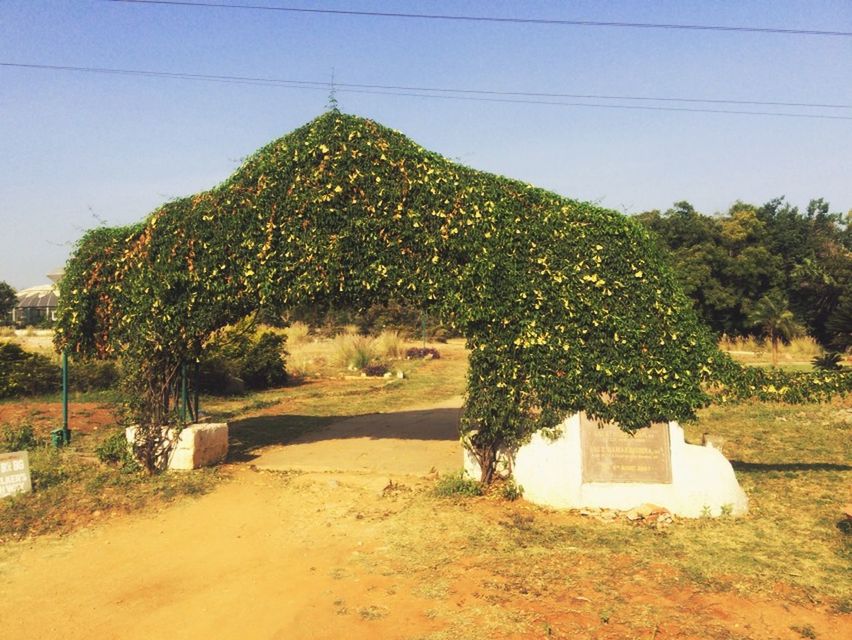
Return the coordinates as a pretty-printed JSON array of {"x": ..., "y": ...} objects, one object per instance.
[{"x": 43, "y": 296}]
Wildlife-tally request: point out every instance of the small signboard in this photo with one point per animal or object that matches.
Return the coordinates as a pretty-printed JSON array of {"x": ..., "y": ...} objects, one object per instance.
[
  {"x": 14, "y": 473},
  {"x": 611, "y": 455}
]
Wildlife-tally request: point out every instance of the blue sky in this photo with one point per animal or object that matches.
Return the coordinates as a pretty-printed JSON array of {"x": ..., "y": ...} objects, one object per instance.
[{"x": 77, "y": 148}]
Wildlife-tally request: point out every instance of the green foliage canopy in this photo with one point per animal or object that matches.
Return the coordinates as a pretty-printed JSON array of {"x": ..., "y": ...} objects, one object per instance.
[
  {"x": 728, "y": 263},
  {"x": 8, "y": 300},
  {"x": 565, "y": 306}
]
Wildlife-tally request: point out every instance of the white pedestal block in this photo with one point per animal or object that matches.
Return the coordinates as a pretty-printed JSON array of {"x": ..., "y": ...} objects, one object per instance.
[
  {"x": 195, "y": 446},
  {"x": 550, "y": 472}
]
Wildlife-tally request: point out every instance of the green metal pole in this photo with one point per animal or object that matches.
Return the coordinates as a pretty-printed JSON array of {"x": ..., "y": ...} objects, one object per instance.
[
  {"x": 184, "y": 399},
  {"x": 66, "y": 433},
  {"x": 64, "y": 390},
  {"x": 423, "y": 327},
  {"x": 196, "y": 392}
]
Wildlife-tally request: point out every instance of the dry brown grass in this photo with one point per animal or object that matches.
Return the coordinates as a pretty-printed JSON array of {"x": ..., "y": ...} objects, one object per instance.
[
  {"x": 33, "y": 340},
  {"x": 297, "y": 333},
  {"x": 750, "y": 350}
]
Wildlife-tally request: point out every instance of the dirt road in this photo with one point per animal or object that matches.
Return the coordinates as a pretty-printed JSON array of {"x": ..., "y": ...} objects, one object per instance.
[
  {"x": 264, "y": 556},
  {"x": 413, "y": 442},
  {"x": 338, "y": 536}
]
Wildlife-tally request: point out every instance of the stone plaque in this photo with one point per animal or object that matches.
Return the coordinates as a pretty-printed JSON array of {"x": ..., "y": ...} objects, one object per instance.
[
  {"x": 14, "y": 473},
  {"x": 611, "y": 455}
]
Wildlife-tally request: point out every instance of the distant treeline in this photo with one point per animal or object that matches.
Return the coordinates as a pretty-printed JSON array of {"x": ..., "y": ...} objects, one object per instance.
[{"x": 728, "y": 263}]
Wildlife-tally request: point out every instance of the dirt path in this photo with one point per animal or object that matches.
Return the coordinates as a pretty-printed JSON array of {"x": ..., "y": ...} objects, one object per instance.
[
  {"x": 261, "y": 557},
  {"x": 363, "y": 551},
  {"x": 416, "y": 442}
]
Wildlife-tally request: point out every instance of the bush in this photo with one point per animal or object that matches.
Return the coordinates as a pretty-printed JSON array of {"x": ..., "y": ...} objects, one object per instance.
[
  {"x": 457, "y": 484},
  {"x": 24, "y": 374},
  {"x": 422, "y": 353},
  {"x": 441, "y": 334},
  {"x": 92, "y": 375},
  {"x": 18, "y": 437},
  {"x": 114, "y": 450},
  {"x": 827, "y": 362},
  {"x": 375, "y": 370},
  {"x": 262, "y": 367},
  {"x": 388, "y": 316},
  {"x": 219, "y": 376},
  {"x": 511, "y": 491},
  {"x": 235, "y": 361}
]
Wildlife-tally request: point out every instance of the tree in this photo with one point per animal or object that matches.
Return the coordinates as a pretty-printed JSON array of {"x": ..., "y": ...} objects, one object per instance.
[
  {"x": 726, "y": 263},
  {"x": 775, "y": 321},
  {"x": 8, "y": 300},
  {"x": 839, "y": 324}
]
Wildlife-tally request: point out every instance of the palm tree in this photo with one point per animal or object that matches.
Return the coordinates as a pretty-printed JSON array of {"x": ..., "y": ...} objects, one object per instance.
[{"x": 775, "y": 321}]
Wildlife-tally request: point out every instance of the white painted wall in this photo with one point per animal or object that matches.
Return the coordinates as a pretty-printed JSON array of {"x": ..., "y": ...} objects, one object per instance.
[{"x": 550, "y": 471}]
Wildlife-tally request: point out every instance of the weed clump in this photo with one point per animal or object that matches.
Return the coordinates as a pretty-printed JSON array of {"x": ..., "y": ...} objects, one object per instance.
[
  {"x": 353, "y": 351},
  {"x": 456, "y": 484},
  {"x": 18, "y": 437},
  {"x": 389, "y": 345},
  {"x": 114, "y": 450},
  {"x": 511, "y": 490}
]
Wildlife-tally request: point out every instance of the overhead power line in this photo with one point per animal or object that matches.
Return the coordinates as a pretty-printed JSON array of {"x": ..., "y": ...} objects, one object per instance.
[
  {"x": 476, "y": 95},
  {"x": 493, "y": 19},
  {"x": 488, "y": 92}
]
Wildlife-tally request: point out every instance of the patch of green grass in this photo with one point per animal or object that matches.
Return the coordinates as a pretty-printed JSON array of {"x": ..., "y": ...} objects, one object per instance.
[{"x": 457, "y": 484}]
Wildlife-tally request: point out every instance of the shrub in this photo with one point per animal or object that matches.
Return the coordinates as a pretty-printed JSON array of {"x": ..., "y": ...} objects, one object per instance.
[
  {"x": 827, "y": 362},
  {"x": 422, "y": 352},
  {"x": 23, "y": 373},
  {"x": 18, "y": 437},
  {"x": 441, "y": 334},
  {"x": 391, "y": 315},
  {"x": 236, "y": 361},
  {"x": 457, "y": 484},
  {"x": 219, "y": 376},
  {"x": 114, "y": 450},
  {"x": 375, "y": 370},
  {"x": 262, "y": 367},
  {"x": 511, "y": 491},
  {"x": 92, "y": 375}
]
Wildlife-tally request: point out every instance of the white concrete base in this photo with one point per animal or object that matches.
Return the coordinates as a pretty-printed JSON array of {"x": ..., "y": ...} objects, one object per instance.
[
  {"x": 550, "y": 472},
  {"x": 195, "y": 446}
]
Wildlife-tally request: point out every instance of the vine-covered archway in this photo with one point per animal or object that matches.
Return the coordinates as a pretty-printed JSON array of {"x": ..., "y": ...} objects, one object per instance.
[{"x": 565, "y": 306}]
